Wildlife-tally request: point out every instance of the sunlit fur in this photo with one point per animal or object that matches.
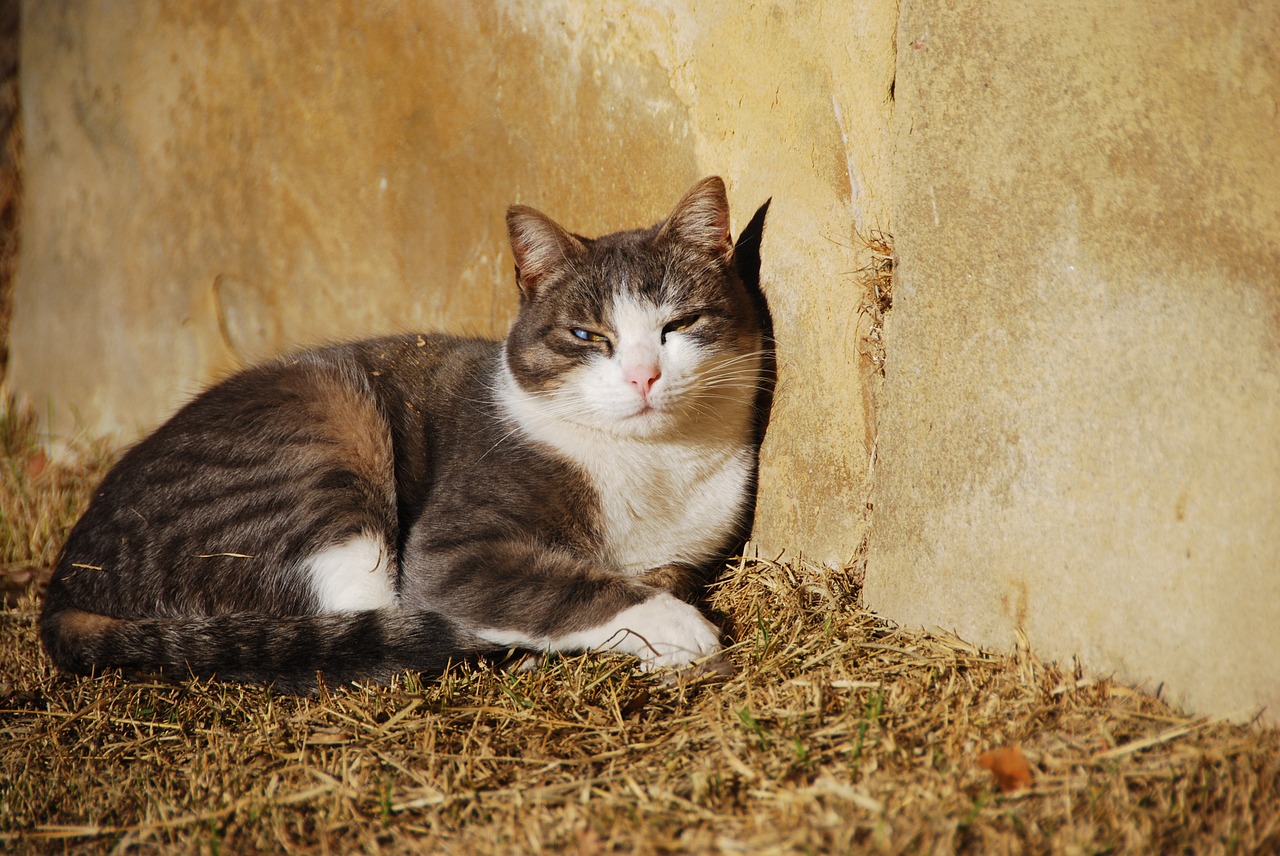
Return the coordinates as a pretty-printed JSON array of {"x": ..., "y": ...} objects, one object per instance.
[{"x": 408, "y": 501}]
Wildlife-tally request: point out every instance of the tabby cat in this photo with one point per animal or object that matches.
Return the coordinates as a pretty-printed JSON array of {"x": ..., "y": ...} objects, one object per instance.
[{"x": 399, "y": 503}]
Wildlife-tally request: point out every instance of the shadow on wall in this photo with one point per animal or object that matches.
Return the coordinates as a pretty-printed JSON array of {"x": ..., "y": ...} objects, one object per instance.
[
  {"x": 10, "y": 166},
  {"x": 746, "y": 258}
]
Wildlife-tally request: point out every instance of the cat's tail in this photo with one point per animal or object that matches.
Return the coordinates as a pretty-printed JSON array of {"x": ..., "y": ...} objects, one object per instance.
[{"x": 286, "y": 652}]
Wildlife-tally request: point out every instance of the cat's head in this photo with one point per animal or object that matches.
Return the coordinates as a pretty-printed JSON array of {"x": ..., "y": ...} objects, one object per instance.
[{"x": 647, "y": 332}]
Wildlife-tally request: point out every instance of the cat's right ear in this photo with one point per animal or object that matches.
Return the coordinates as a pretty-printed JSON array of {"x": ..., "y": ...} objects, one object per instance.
[{"x": 541, "y": 247}]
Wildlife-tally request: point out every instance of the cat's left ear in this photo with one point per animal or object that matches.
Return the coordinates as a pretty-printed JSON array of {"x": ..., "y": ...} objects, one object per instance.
[
  {"x": 701, "y": 220},
  {"x": 540, "y": 245}
]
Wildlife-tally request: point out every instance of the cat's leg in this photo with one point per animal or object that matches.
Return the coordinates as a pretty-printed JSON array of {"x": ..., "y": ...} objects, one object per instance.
[
  {"x": 687, "y": 583},
  {"x": 681, "y": 580},
  {"x": 522, "y": 594},
  {"x": 661, "y": 631}
]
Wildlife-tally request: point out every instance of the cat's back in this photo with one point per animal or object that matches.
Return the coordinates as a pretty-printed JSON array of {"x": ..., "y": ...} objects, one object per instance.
[
  {"x": 260, "y": 471},
  {"x": 432, "y": 375},
  {"x": 343, "y": 394}
]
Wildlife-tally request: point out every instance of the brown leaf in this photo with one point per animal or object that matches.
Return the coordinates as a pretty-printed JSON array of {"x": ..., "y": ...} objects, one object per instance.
[
  {"x": 1009, "y": 766},
  {"x": 36, "y": 464},
  {"x": 637, "y": 703}
]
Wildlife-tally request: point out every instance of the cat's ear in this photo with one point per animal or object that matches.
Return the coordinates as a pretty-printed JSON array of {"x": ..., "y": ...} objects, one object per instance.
[
  {"x": 701, "y": 220},
  {"x": 540, "y": 245}
]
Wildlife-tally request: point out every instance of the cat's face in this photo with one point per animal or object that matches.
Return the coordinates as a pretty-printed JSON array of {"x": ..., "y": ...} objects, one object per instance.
[{"x": 643, "y": 333}]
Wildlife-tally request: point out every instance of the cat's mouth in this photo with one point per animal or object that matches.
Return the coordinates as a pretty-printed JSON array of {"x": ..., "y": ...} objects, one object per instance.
[
  {"x": 640, "y": 417},
  {"x": 649, "y": 418},
  {"x": 646, "y": 408}
]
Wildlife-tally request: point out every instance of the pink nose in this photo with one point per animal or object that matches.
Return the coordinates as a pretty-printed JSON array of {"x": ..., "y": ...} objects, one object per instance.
[{"x": 643, "y": 378}]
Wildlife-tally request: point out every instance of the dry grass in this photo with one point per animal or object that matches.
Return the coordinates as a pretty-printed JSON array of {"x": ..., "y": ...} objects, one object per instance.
[
  {"x": 875, "y": 279},
  {"x": 838, "y": 732},
  {"x": 40, "y": 499}
]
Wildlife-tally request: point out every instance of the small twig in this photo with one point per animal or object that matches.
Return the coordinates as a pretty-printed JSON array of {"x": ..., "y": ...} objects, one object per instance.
[{"x": 1162, "y": 737}]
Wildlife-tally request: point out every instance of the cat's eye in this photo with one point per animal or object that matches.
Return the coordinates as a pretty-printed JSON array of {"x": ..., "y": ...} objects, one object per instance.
[
  {"x": 679, "y": 324},
  {"x": 588, "y": 335}
]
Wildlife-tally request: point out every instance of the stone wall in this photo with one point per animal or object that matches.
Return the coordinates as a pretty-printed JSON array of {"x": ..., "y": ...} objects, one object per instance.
[
  {"x": 1080, "y": 430},
  {"x": 210, "y": 182}
]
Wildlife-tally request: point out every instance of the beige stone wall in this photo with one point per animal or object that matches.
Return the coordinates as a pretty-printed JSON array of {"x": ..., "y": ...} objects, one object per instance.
[
  {"x": 213, "y": 181},
  {"x": 1080, "y": 431},
  {"x": 1080, "y": 418}
]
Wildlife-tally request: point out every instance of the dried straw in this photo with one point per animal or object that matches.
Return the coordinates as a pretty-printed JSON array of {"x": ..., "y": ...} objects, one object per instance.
[{"x": 838, "y": 732}]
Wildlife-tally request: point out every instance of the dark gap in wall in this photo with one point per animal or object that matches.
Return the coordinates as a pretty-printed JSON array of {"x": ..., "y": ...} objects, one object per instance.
[{"x": 10, "y": 165}]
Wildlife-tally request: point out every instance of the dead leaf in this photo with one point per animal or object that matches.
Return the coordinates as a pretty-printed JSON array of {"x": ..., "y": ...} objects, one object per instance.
[
  {"x": 1009, "y": 767},
  {"x": 637, "y": 703},
  {"x": 36, "y": 464}
]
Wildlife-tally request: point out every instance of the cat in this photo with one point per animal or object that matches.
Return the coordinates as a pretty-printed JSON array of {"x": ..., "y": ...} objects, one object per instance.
[{"x": 400, "y": 503}]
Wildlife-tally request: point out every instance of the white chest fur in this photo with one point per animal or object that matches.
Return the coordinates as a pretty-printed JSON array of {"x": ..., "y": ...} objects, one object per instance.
[{"x": 666, "y": 503}]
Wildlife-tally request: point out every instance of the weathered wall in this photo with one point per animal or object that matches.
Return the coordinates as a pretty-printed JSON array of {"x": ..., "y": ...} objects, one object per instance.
[
  {"x": 210, "y": 182},
  {"x": 1080, "y": 432}
]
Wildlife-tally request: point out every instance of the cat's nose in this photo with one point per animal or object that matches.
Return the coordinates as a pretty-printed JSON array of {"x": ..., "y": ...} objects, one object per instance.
[{"x": 643, "y": 378}]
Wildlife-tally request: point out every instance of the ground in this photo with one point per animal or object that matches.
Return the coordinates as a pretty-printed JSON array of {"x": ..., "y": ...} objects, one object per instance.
[{"x": 838, "y": 731}]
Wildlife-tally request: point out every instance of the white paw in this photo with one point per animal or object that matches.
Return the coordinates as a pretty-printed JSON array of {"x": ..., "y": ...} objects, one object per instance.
[{"x": 662, "y": 632}]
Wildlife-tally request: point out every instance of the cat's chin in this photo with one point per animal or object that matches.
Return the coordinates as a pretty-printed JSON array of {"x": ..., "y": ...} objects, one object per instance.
[
  {"x": 650, "y": 419},
  {"x": 645, "y": 424},
  {"x": 640, "y": 424}
]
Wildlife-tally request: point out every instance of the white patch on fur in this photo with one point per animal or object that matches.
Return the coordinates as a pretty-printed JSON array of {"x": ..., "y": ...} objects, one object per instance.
[
  {"x": 352, "y": 576},
  {"x": 668, "y": 504},
  {"x": 662, "y": 632},
  {"x": 638, "y": 332},
  {"x": 671, "y": 476}
]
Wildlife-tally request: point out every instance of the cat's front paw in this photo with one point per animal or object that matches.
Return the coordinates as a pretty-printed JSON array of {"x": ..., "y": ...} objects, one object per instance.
[{"x": 663, "y": 632}]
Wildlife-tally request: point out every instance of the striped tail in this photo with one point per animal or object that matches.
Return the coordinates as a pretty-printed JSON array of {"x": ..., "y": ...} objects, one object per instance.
[{"x": 286, "y": 652}]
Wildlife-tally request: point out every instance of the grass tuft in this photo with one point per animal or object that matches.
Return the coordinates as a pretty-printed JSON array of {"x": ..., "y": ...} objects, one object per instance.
[
  {"x": 40, "y": 499},
  {"x": 876, "y": 280}
]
